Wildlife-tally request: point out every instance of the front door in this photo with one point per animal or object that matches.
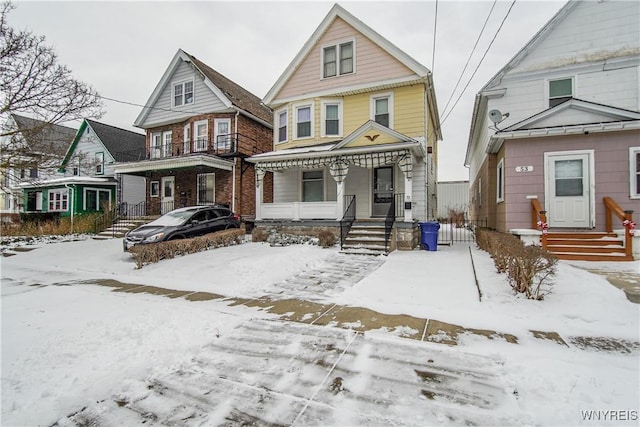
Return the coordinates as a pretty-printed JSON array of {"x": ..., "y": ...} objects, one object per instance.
[
  {"x": 568, "y": 190},
  {"x": 168, "y": 184},
  {"x": 382, "y": 190}
]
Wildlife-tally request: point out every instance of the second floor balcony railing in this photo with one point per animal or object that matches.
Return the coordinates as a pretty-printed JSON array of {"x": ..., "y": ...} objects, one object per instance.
[{"x": 221, "y": 145}]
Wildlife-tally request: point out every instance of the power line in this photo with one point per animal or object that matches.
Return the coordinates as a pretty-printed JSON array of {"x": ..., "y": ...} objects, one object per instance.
[
  {"x": 170, "y": 110},
  {"x": 435, "y": 27},
  {"x": 470, "y": 56},
  {"x": 480, "y": 63}
]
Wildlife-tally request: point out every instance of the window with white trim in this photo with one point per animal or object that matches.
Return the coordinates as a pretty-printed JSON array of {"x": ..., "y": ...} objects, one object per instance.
[
  {"x": 202, "y": 135},
  {"x": 313, "y": 186},
  {"x": 500, "y": 181},
  {"x": 304, "y": 121},
  {"x": 222, "y": 134},
  {"x": 182, "y": 93},
  {"x": 99, "y": 162},
  {"x": 96, "y": 199},
  {"x": 382, "y": 109},
  {"x": 634, "y": 169},
  {"x": 186, "y": 139},
  {"x": 155, "y": 145},
  {"x": 282, "y": 126},
  {"x": 154, "y": 189},
  {"x": 331, "y": 118},
  {"x": 59, "y": 200},
  {"x": 167, "y": 142},
  {"x": 206, "y": 188},
  {"x": 560, "y": 90},
  {"x": 338, "y": 59}
]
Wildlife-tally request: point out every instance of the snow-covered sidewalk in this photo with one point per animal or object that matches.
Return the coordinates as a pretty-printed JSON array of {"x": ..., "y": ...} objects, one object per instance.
[{"x": 66, "y": 345}]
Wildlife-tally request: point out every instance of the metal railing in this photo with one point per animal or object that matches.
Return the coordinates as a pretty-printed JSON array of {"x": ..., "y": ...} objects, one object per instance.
[
  {"x": 348, "y": 218},
  {"x": 222, "y": 145},
  {"x": 388, "y": 224},
  {"x": 459, "y": 230}
]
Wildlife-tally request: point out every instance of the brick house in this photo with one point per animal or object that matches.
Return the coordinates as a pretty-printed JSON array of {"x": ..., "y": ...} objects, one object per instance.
[{"x": 200, "y": 126}]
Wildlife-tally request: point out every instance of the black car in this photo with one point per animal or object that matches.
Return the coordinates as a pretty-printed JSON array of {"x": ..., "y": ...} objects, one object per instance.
[{"x": 182, "y": 224}]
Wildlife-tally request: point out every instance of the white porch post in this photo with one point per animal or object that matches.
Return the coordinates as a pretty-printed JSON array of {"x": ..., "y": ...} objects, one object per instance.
[
  {"x": 339, "y": 170},
  {"x": 406, "y": 166},
  {"x": 408, "y": 191},
  {"x": 259, "y": 177}
]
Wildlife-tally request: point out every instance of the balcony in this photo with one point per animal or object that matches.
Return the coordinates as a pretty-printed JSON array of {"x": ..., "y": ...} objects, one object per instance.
[{"x": 229, "y": 145}]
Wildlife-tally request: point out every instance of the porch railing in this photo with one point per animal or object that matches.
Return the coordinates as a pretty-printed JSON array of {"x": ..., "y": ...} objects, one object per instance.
[
  {"x": 539, "y": 220},
  {"x": 388, "y": 225},
  {"x": 611, "y": 207},
  {"x": 348, "y": 218},
  {"x": 222, "y": 145}
]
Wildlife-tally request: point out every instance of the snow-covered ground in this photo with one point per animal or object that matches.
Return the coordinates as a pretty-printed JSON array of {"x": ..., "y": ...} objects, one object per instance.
[{"x": 130, "y": 358}]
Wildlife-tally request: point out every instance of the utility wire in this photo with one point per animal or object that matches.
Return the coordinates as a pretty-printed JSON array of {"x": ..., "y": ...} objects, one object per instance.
[
  {"x": 435, "y": 27},
  {"x": 478, "y": 66},
  {"x": 146, "y": 106},
  {"x": 470, "y": 56}
]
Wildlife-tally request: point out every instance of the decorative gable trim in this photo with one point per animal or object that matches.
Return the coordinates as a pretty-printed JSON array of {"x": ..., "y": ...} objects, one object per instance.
[
  {"x": 338, "y": 12},
  {"x": 375, "y": 127}
]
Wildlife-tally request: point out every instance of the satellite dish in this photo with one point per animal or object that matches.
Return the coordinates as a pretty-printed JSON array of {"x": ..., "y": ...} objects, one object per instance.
[{"x": 495, "y": 116}]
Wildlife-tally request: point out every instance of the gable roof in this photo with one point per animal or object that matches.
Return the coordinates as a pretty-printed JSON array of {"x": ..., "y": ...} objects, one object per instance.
[
  {"x": 339, "y": 12},
  {"x": 122, "y": 144},
  {"x": 39, "y": 134},
  {"x": 230, "y": 93},
  {"x": 371, "y": 125}
]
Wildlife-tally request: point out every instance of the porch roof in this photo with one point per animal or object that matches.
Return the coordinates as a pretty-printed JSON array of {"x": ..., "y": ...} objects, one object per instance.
[
  {"x": 80, "y": 180},
  {"x": 192, "y": 161}
]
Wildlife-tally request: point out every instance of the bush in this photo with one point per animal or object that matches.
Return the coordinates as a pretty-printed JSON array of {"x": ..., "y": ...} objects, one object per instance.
[
  {"x": 326, "y": 238},
  {"x": 529, "y": 268},
  {"x": 456, "y": 217},
  {"x": 48, "y": 225},
  {"x": 259, "y": 235},
  {"x": 148, "y": 254}
]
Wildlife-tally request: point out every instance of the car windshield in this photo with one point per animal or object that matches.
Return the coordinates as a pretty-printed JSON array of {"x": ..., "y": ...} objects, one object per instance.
[{"x": 173, "y": 218}]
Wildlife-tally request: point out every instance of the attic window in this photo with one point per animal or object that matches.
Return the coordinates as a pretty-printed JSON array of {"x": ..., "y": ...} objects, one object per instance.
[
  {"x": 560, "y": 91},
  {"x": 182, "y": 93},
  {"x": 338, "y": 59}
]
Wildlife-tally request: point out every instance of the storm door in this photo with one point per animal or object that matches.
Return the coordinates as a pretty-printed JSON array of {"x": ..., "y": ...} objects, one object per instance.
[
  {"x": 382, "y": 190},
  {"x": 568, "y": 190}
]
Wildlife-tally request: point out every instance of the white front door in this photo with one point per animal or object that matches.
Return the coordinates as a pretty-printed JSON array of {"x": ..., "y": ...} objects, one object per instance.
[
  {"x": 168, "y": 183},
  {"x": 568, "y": 189}
]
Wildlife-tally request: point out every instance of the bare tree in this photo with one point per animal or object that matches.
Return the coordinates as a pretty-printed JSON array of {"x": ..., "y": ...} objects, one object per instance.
[{"x": 33, "y": 84}]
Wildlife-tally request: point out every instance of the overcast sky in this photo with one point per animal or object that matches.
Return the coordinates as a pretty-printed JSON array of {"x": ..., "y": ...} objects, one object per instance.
[{"x": 123, "y": 48}]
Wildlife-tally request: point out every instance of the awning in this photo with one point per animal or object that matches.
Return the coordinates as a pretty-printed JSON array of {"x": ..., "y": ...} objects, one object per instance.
[{"x": 182, "y": 162}]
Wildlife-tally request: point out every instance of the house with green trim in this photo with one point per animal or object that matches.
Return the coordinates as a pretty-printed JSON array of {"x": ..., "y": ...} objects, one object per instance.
[{"x": 87, "y": 181}]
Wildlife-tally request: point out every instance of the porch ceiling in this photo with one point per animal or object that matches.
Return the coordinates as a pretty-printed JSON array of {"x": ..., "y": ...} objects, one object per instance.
[{"x": 200, "y": 160}]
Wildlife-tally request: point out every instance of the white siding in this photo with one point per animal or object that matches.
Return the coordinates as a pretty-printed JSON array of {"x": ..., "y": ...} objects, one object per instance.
[
  {"x": 205, "y": 101},
  {"x": 358, "y": 182},
  {"x": 285, "y": 186},
  {"x": 453, "y": 195},
  {"x": 84, "y": 156},
  {"x": 419, "y": 196}
]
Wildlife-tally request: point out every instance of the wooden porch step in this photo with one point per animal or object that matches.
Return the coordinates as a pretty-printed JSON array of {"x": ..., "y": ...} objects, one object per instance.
[
  {"x": 587, "y": 249},
  {"x": 587, "y": 246},
  {"x": 580, "y": 236},
  {"x": 580, "y": 242},
  {"x": 593, "y": 257}
]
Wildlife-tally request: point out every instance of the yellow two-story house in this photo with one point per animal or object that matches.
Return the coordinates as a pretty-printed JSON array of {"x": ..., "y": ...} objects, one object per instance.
[{"x": 355, "y": 139}]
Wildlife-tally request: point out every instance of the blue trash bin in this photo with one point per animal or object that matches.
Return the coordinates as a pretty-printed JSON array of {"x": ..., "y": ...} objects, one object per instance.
[{"x": 429, "y": 235}]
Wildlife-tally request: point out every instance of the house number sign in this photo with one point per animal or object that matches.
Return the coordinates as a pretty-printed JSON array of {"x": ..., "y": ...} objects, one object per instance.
[{"x": 524, "y": 168}]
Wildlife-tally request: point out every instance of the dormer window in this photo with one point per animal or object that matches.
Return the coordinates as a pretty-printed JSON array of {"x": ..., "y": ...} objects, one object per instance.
[
  {"x": 338, "y": 59},
  {"x": 182, "y": 93}
]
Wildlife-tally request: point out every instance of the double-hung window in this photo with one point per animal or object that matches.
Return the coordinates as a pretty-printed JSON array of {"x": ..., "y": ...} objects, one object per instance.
[
  {"x": 282, "y": 126},
  {"x": 382, "y": 109},
  {"x": 99, "y": 162},
  {"x": 331, "y": 118},
  {"x": 58, "y": 200},
  {"x": 222, "y": 134},
  {"x": 186, "y": 135},
  {"x": 560, "y": 90},
  {"x": 338, "y": 59},
  {"x": 634, "y": 169},
  {"x": 154, "y": 189},
  {"x": 500, "y": 181},
  {"x": 304, "y": 123},
  {"x": 202, "y": 135},
  {"x": 96, "y": 199},
  {"x": 312, "y": 186},
  {"x": 206, "y": 188},
  {"x": 182, "y": 93}
]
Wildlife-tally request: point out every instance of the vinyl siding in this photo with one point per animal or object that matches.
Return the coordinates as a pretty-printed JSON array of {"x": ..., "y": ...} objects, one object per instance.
[
  {"x": 372, "y": 64},
  {"x": 86, "y": 148},
  {"x": 205, "y": 101},
  {"x": 133, "y": 189}
]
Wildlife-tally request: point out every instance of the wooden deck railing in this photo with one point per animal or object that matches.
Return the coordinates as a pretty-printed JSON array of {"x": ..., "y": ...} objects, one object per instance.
[
  {"x": 611, "y": 207},
  {"x": 539, "y": 220}
]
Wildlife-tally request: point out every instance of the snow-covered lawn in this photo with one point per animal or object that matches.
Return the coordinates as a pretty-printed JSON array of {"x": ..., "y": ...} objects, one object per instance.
[{"x": 67, "y": 344}]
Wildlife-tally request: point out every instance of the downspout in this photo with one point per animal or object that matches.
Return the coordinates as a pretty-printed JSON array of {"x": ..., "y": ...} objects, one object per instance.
[
  {"x": 72, "y": 188},
  {"x": 235, "y": 161}
]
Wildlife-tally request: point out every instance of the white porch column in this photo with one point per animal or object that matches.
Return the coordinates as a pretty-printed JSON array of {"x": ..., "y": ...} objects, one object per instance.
[
  {"x": 259, "y": 177},
  {"x": 339, "y": 170},
  {"x": 408, "y": 191},
  {"x": 406, "y": 166}
]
